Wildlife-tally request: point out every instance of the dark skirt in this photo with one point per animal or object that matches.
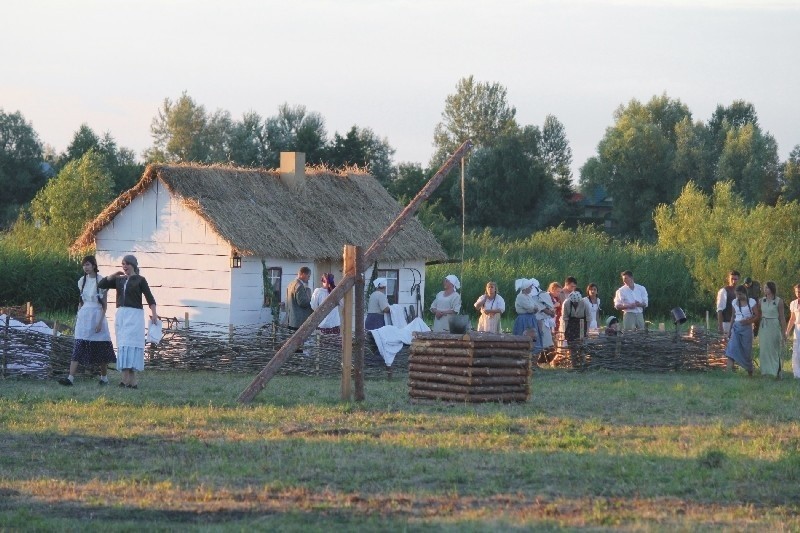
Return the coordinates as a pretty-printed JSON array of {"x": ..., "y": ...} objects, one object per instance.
[
  {"x": 374, "y": 321},
  {"x": 93, "y": 352}
]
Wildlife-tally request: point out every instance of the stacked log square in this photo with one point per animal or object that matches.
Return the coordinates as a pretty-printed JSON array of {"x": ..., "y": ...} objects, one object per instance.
[{"x": 475, "y": 367}]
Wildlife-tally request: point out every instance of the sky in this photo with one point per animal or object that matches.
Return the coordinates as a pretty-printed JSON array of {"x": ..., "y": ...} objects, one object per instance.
[{"x": 390, "y": 64}]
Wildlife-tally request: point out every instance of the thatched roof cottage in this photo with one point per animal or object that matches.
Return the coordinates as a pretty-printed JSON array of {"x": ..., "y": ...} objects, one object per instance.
[{"x": 220, "y": 243}]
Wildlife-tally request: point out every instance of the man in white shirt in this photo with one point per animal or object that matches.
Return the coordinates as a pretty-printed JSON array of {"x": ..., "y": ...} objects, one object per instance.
[
  {"x": 725, "y": 299},
  {"x": 631, "y": 299}
]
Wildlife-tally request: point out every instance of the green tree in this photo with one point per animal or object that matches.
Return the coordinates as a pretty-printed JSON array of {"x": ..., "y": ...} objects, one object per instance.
[
  {"x": 119, "y": 161},
  {"x": 557, "y": 156},
  {"x": 294, "y": 129},
  {"x": 508, "y": 185},
  {"x": 184, "y": 131},
  {"x": 21, "y": 172},
  {"x": 360, "y": 146},
  {"x": 248, "y": 141},
  {"x": 791, "y": 176},
  {"x": 693, "y": 154},
  {"x": 635, "y": 161},
  {"x": 76, "y": 195},
  {"x": 409, "y": 179},
  {"x": 718, "y": 232},
  {"x": 750, "y": 160},
  {"x": 478, "y": 111}
]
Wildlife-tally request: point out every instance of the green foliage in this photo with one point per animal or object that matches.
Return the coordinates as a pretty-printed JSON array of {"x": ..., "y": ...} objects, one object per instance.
[
  {"x": 718, "y": 233},
  {"x": 21, "y": 173},
  {"x": 589, "y": 255},
  {"x": 508, "y": 184},
  {"x": 478, "y": 111},
  {"x": 37, "y": 274},
  {"x": 184, "y": 131},
  {"x": 791, "y": 176},
  {"x": 294, "y": 129},
  {"x": 360, "y": 146},
  {"x": 749, "y": 159},
  {"x": 73, "y": 198},
  {"x": 120, "y": 162}
]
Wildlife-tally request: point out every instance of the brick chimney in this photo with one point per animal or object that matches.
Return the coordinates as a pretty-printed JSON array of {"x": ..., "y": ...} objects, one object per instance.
[{"x": 293, "y": 168}]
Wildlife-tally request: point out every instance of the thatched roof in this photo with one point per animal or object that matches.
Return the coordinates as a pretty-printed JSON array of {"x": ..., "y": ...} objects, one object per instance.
[{"x": 259, "y": 214}]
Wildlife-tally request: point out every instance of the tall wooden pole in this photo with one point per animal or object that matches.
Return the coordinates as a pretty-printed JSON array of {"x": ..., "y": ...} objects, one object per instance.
[
  {"x": 358, "y": 345},
  {"x": 347, "y": 324},
  {"x": 374, "y": 251}
]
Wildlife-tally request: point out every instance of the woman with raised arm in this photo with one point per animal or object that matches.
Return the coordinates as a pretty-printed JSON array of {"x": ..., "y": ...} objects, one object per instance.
[{"x": 129, "y": 323}]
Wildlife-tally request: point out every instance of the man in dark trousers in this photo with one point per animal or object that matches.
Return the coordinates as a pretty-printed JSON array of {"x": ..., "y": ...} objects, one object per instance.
[
  {"x": 298, "y": 299},
  {"x": 725, "y": 298}
]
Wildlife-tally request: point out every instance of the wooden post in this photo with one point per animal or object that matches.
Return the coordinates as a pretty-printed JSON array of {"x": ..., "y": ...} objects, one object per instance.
[
  {"x": 186, "y": 320},
  {"x": 360, "y": 339},
  {"x": 5, "y": 345},
  {"x": 230, "y": 333},
  {"x": 374, "y": 251},
  {"x": 349, "y": 257},
  {"x": 53, "y": 346}
]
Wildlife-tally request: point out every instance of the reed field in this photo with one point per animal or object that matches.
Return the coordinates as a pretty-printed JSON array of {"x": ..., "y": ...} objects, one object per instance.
[
  {"x": 589, "y": 255},
  {"x": 596, "y": 450}
]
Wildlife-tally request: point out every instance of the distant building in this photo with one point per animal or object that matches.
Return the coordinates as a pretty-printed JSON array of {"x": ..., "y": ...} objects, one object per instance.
[{"x": 594, "y": 208}]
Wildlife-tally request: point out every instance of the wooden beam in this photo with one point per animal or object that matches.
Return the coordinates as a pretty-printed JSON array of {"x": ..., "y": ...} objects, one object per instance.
[
  {"x": 347, "y": 324},
  {"x": 347, "y": 283}
]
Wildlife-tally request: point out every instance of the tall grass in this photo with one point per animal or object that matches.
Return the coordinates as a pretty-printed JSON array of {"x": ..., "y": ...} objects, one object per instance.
[
  {"x": 44, "y": 276},
  {"x": 589, "y": 255}
]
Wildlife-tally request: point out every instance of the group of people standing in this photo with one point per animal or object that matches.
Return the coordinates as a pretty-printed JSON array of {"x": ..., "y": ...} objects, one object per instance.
[
  {"x": 92, "y": 338},
  {"x": 744, "y": 313}
]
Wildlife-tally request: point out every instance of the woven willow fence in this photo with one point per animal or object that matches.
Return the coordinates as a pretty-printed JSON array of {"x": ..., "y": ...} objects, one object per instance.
[
  {"x": 202, "y": 346},
  {"x": 646, "y": 351}
]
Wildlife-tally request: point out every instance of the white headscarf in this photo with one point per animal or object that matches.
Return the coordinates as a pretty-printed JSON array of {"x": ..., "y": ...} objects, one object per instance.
[
  {"x": 379, "y": 282},
  {"x": 454, "y": 280},
  {"x": 522, "y": 284},
  {"x": 535, "y": 283}
]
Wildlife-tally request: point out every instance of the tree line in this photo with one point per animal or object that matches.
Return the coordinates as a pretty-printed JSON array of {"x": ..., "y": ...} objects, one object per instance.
[{"x": 517, "y": 179}]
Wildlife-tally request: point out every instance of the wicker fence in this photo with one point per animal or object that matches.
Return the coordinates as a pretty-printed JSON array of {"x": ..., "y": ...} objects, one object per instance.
[
  {"x": 244, "y": 349},
  {"x": 646, "y": 351}
]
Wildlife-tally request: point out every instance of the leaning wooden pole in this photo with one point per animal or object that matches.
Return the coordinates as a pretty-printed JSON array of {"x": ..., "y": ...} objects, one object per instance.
[{"x": 374, "y": 251}]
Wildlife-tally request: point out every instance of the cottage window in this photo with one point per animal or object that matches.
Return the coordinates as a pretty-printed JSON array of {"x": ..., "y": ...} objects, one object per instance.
[
  {"x": 392, "y": 285},
  {"x": 273, "y": 275}
]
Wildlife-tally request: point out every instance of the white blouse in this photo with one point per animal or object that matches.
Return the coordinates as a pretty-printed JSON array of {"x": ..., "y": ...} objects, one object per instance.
[
  {"x": 89, "y": 292},
  {"x": 742, "y": 312}
]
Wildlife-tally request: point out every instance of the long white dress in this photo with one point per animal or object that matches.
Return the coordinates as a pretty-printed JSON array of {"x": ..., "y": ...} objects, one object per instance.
[
  {"x": 491, "y": 322},
  {"x": 445, "y": 303},
  {"x": 794, "y": 307},
  {"x": 593, "y": 311}
]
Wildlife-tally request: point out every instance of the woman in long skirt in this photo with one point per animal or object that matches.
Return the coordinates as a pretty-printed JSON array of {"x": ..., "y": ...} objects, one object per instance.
[
  {"x": 490, "y": 305},
  {"x": 740, "y": 341},
  {"x": 129, "y": 322},
  {"x": 526, "y": 307},
  {"x": 92, "y": 339},
  {"x": 771, "y": 333},
  {"x": 794, "y": 326}
]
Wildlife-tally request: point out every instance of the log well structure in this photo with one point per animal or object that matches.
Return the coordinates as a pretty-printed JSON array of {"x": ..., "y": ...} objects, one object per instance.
[{"x": 474, "y": 367}]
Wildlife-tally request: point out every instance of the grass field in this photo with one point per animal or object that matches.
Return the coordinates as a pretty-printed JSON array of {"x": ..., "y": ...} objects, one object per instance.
[{"x": 597, "y": 450}]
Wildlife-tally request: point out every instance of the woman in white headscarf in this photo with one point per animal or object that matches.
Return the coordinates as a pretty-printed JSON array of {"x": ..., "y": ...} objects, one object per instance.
[
  {"x": 446, "y": 304},
  {"x": 526, "y": 306},
  {"x": 378, "y": 305}
]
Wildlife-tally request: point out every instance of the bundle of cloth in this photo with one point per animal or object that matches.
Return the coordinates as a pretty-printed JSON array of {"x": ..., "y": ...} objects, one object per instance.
[{"x": 390, "y": 339}]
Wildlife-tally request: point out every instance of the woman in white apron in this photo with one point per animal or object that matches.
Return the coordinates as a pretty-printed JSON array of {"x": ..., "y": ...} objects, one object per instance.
[
  {"x": 92, "y": 339},
  {"x": 129, "y": 323}
]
